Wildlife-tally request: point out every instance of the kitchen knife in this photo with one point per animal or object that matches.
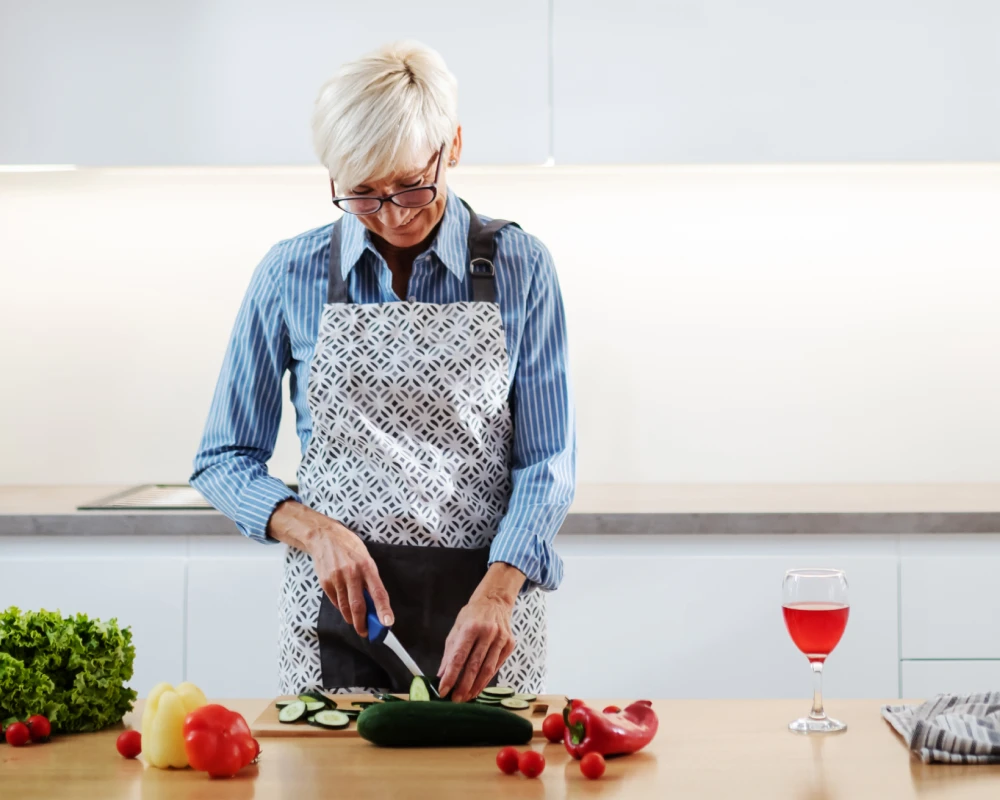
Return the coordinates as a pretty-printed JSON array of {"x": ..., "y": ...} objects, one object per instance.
[{"x": 382, "y": 634}]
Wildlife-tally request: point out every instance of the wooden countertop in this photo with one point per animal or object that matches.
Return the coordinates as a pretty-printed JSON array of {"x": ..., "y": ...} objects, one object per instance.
[
  {"x": 705, "y": 749},
  {"x": 598, "y": 509}
]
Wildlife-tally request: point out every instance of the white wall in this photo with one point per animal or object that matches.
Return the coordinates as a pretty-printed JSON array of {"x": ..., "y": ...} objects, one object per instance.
[{"x": 758, "y": 324}]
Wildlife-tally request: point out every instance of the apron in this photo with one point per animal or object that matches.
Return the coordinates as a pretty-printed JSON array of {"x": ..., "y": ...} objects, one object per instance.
[{"x": 411, "y": 449}]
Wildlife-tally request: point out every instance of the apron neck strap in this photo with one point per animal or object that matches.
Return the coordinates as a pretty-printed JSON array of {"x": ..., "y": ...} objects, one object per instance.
[{"x": 482, "y": 246}]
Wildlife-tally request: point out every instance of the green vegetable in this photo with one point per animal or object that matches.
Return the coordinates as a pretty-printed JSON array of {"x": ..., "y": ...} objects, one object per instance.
[
  {"x": 515, "y": 704},
  {"x": 419, "y": 690},
  {"x": 442, "y": 725},
  {"x": 293, "y": 712},
  {"x": 72, "y": 670},
  {"x": 334, "y": 720}
]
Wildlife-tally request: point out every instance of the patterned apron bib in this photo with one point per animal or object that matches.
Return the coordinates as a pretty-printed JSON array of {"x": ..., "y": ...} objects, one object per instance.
[{"x": 411, "y": 449}]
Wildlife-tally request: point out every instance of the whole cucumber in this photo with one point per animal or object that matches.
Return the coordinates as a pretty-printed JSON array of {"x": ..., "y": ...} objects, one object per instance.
[{"x": 442, "y": 725}]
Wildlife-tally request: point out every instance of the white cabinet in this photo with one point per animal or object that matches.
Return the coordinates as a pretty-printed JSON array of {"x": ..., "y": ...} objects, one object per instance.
[
  {"x": 950, "y": 598},
  {"x": 233, "y": 83},
  {"x": 232, "y": 617},
  {"x": 686, "y": 617},
  {"x": 924, "y": 679},
  {"x": 143, "y": 589},
  {"x": 731, "y": 81}
]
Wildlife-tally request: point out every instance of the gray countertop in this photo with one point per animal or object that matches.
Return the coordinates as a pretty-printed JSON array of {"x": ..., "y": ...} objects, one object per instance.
[{"x": 598, "y": 509}]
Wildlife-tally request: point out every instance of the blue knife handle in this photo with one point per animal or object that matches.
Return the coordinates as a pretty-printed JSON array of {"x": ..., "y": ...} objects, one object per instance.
[{"x": 376, "y": 630}]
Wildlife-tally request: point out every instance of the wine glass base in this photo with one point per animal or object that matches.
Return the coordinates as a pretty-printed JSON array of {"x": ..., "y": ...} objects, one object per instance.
[{"x": 811, "y": 725}]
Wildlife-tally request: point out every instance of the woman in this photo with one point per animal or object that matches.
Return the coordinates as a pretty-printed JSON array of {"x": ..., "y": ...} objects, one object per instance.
[{"x": 427, "y": 351}]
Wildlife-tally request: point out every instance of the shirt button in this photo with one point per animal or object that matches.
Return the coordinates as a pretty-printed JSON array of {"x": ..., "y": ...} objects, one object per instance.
[{"x": 413, "y": 298}]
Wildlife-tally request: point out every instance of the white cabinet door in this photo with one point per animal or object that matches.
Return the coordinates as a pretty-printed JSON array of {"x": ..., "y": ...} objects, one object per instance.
[
  {"x": 924, "y": 679},
  {"x": 146, "y": 594},
  {"x": 950, "y": 603},
  {"x": 232, "y": 617},
  {"x": 700, "y": 625},
  {"x": 730, "y": 81},
  {"x": 230, "y": 82}
]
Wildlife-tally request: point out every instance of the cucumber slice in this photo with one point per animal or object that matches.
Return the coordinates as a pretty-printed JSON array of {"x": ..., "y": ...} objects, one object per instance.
[
  {"x": 484, "y": 702},
  {"x": 527, "y": 698},
  {"x": 363, "y": 704},
  {"x": 352, "y": 713},
  {"x": 514, "y": 704},
  {"x": 498, "y": 691},
  {"x": 293, "y": 712},
  {"x": 312, "y": 708},
  {"x": 334, "y": 720},
  {"x": 388, "y": 698},
  {"x": 311, "y": 697},
  {"x": 283, "y": 703},
  {"x": 419, "y": 690}
]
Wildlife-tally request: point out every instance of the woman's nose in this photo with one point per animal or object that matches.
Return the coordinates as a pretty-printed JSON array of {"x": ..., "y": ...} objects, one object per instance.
[{"x": 392, "y": 215}]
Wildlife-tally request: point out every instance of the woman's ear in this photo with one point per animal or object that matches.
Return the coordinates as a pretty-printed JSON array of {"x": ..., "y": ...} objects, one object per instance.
[{"x": 455, "y": 152}]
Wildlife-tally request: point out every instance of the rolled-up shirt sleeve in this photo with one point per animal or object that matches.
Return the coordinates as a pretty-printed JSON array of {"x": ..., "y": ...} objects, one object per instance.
[
  {"x": 543, "y": 471},
  {"x": 230, "y": 469}
]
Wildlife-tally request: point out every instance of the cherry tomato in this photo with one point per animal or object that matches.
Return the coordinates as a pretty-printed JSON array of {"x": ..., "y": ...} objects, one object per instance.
[
  {"x": 531, "y": 763},
  {"x": 575, "y": 704},
  {"x": 129, "y": 744},
  {"x": 39, "y": 728},
  {"x": 612, "y": 710},
  {"x": 554, "y": 727},
  {"x": 17, "y": 734},
  {"x": 592, "y": 766},
  {"x": 507, "y": 760}
]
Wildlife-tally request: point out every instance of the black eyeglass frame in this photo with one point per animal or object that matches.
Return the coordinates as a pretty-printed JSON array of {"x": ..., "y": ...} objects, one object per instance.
[{"x": 341, "y": 202}]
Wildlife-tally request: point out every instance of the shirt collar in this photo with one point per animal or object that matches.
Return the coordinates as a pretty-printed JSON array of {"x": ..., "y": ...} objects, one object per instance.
[{"x": 450, "y": 245}]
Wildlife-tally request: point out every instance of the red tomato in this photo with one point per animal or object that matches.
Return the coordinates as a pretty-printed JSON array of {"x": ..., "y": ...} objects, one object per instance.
[
  {"x": 592, "y": 766},
  {"x": 531, "y": 763},
  {"x": 17, "y": 734},
  {"x": 507, "y": 760},
  {"x": 129, "y": 744},
  {"x": 612, "y": 710},
  {"x": 554, "y": 727},
  {"x": 39, "y": 728}
]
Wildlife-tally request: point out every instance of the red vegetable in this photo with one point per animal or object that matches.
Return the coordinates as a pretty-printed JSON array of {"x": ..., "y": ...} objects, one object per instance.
[
  {"x": 592, "y": 766},
  {"x": 531, "y": 763},
  {"x": 591, "y": 731},
  {"x": 129, "y": 744},
  {"x": 17, "y": 734},
  {"x": 39, "y": 728},
  {"x": 612, "y": 710},
  {"x": 218, "y": 741},
  {"x": 554, "y": 727},
  {"x": 507, "y": 760}
]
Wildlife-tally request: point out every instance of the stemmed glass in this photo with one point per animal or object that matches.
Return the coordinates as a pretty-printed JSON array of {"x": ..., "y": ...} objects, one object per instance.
[{"x": 814, "y": 602}]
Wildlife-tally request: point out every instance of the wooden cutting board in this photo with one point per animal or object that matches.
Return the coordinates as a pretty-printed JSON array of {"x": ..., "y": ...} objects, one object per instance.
[{"x": 267, "y": 723}]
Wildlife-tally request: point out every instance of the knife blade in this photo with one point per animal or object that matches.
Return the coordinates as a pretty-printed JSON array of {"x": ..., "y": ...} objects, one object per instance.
[{"x": 378, "y": 633}]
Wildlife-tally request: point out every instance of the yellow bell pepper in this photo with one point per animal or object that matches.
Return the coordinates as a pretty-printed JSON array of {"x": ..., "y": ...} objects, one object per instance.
[{"x": 163, "y": 723}]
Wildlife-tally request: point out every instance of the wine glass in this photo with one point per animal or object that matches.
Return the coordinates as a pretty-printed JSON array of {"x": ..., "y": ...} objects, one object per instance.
[{"x": 814, "y": 602}]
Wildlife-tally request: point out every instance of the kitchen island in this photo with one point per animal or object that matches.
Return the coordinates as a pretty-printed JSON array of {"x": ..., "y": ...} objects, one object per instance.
[{"x": 704, "y": 749}]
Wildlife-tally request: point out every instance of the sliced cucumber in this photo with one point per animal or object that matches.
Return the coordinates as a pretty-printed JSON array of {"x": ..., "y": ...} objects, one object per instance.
[
  {"x": 353, "y": 713},
  {"x": 312, "y": 708},
  {"x": 311, "y": 697},
  {"x": 283, "y": 703},
  {"x": 293, "y": 712},
  {"x": 419, "y": 690},
  {"x": 498, "y": 691},
  {"x": 485, "y": 702},
  {"x": 388, "y": 698},
  {"x": 527, "y": 698},
  {"x": 514, "y": 704},
  {"x": 334, "y": 720},
  {"x": 362, "y": 704}
]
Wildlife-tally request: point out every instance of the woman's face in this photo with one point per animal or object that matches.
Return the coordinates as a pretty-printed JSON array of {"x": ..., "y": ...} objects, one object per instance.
[{"x": 406, "y": 227}]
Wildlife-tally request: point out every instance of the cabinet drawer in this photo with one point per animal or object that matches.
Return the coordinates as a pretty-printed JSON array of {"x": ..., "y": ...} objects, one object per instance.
[{"x": 924, "y": 679}]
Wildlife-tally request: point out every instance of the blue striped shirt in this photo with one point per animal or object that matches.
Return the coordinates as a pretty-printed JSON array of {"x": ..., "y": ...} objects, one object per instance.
[{"x": 276, "y": 330}]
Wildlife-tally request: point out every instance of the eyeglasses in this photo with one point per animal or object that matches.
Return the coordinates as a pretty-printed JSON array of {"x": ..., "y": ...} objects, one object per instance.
[{"x": 418, "y": 196}]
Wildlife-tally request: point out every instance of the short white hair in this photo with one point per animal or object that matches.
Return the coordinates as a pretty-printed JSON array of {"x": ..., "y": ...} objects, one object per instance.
[{"x": 385, "y": 113}]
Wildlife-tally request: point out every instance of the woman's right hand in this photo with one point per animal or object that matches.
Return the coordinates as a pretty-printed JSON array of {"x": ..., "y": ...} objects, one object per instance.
[{"x": 341, "y": 560}]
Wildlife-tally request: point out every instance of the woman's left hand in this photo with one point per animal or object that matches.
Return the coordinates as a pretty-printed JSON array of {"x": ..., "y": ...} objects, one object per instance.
[{"x": 481, "y": 638}]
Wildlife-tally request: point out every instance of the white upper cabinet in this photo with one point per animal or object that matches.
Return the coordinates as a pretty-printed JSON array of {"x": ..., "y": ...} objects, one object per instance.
[
  {"x": 230, "y": 82},
  {"x": 708, "y": 81}
]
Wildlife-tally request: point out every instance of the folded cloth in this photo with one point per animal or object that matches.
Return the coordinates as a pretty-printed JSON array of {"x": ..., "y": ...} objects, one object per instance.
[{"x": 958, "y": 729}]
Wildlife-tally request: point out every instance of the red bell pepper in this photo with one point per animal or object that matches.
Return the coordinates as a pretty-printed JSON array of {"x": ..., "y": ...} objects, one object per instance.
[
  {"x": 591, "y": 731},
  {"x": 218, "y": 741}
]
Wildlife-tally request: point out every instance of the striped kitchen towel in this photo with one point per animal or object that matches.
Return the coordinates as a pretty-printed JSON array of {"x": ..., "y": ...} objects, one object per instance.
[{"x": 958, "y": 729}]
